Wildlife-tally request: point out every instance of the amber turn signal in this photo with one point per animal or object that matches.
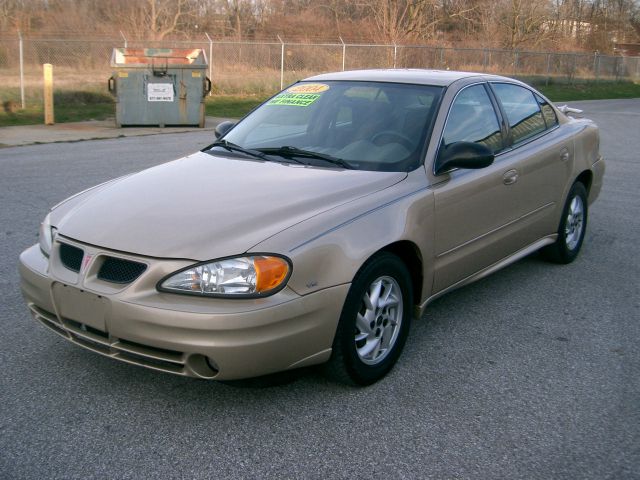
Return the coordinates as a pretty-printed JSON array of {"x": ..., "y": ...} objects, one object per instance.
[{"x": 270, "y": 272}]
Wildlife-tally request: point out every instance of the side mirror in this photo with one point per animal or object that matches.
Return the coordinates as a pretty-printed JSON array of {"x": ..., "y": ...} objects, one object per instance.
[
  {"x": 464, "y": 155},
  {"x": 222, "y": 129}
]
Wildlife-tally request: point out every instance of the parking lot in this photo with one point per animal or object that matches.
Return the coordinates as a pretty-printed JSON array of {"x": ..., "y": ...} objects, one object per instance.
[{"x": 531, "y": 373}]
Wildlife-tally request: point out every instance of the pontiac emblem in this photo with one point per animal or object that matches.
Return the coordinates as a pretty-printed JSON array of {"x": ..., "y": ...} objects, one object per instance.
[{"x": 86, "y": 260}]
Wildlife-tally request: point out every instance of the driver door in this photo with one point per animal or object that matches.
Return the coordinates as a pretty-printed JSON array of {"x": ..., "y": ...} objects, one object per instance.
[{"x": 475, "y": 210}]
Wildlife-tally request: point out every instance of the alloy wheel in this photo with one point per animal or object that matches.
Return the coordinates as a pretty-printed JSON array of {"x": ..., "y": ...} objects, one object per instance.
[{"x": 378, "y": 321}]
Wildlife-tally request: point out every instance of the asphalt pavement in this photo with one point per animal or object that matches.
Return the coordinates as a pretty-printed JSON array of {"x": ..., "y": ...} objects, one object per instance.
[{"x": 531, "y": 373}]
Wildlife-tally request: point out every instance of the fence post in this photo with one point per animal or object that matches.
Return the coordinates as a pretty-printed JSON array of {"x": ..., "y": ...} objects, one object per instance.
[
  {"x": 124, "y": 38},
  {"x": 484, "y": 60},
  {"x": 281, "y": 62},
  {"x": 210, "y": 61},
  {"x": 344, "y": 52},
  {"x": 548, "y": 68},
  {"x": 21, "y": 53},
  {"x": 515, "y": 62},
  {"x": 395, "y": 54},
  {"x": 596, "y": 65},
  {"x": 48, "y": 94}
]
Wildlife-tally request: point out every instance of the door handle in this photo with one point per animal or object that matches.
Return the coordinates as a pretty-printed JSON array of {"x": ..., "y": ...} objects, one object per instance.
[
  {"x": 510, "y": 177},
  {"x": 564, "y": 155}
]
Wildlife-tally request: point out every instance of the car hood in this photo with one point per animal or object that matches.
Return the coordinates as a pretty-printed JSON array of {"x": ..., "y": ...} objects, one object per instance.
[{"x": 202, "y": 207}]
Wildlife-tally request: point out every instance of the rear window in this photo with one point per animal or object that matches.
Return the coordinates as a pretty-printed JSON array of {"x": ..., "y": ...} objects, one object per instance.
[
  {"x": 548, "y": 113},
  {"x": 522, "y": 111}
]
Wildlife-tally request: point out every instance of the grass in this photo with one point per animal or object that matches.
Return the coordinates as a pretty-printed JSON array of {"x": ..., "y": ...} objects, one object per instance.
[
  {"x": 590, "y": 91},
  {"x": 81, "y": 105},
  {"x": 232, "y": 106},
  {"x": 68, "y": 106},
  {"x": 77, "y": 106},
  {"x": 33, "y": 115}
]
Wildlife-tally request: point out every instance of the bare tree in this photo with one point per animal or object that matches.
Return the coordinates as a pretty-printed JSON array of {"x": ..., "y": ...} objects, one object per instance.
[
  {"x": 240, "y": 16},
  {"x": 23, "y": 15},
  {"x": 398, "y": 20},
  {"x": 567, "y": 24},
  {"x": 522, "y": 22},
  {"x": 153, "y": 19}
]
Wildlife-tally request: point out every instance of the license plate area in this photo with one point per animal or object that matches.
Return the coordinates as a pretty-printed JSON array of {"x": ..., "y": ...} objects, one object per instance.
[{"x": 80, "y": 306}]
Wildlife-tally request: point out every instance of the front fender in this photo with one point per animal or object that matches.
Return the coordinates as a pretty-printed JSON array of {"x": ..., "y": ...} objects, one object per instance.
[{"x": 329, "y": 249}]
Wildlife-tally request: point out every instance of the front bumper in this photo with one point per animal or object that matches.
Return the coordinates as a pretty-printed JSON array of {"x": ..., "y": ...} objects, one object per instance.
[{"x": 185, "y": 335}]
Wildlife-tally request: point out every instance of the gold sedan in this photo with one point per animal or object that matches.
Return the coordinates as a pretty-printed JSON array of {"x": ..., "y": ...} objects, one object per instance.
[{"x": 317, "y": 227}]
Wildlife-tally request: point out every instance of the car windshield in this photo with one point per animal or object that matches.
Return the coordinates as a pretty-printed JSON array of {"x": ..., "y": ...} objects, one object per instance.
[{"x": 340, "y": 124}]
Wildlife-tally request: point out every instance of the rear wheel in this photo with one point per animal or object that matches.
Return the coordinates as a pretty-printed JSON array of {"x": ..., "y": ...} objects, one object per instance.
[
  {"x": 573, "y": 225},
  {"x": 374, "y": 323}
]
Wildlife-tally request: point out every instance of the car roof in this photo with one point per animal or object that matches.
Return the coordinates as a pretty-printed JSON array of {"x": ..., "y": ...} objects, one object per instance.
[{"x": 440, "y": 78}]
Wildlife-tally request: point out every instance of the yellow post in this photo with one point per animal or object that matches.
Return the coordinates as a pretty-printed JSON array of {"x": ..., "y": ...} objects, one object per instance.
[{"x": 48, "y": 94}]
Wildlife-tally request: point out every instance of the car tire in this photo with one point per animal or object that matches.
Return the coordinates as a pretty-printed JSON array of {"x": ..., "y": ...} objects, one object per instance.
[
  {"x": 573, "y": 225},
  {"x": 374, "y": 322}
]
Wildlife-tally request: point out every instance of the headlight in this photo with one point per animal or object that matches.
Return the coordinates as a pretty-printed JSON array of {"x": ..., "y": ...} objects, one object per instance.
[
  {"x": 247, "y": 277},
  {"x": 46, "y": 235}
]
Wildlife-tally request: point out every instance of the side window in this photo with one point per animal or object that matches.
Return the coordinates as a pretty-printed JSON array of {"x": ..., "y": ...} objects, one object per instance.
[
  {"x": 472, "y": 118},
  {"x": 547, "y": 112},
  {"x": 522, "y": 110}
]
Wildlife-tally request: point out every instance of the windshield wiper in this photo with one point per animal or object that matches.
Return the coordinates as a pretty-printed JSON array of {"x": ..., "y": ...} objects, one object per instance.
[
  {"x": 288, "y": 151},
  {"x": 232, "y": 147}
]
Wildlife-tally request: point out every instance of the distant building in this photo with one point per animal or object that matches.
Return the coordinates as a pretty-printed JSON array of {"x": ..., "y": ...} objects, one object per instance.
[
  {"x": 627, "y": 49},
  {"x": 569, "y": 28}
]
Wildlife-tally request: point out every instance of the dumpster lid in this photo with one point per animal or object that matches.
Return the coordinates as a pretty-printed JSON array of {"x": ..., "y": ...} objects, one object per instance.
[{"x": 142, "y": 57}]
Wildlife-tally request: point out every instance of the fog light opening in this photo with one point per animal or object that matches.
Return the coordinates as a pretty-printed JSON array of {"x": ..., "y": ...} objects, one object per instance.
[
  {"x": 202, "y": 366},
  {"x": 212, "y": 364}
]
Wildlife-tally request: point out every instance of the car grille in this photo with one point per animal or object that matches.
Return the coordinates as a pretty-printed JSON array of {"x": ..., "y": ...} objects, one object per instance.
[
  {"x": 112, "y": 269},
  {"x": 118, "y": 270},
  {"x": 98, "y": 341},
  {"x": 71, "y": 257}
]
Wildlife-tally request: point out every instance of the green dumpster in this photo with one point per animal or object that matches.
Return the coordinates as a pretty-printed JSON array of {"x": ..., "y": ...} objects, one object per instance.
[{"x": 159, "y": 86}]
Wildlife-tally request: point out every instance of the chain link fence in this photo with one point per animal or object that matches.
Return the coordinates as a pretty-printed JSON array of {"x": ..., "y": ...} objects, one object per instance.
[{"x": 265, "y": 67}]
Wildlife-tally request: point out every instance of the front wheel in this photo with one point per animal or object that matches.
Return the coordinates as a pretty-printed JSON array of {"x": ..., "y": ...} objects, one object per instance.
[
  {"x": 374, "y": 323},
  {"x": 573, "y": 226}
]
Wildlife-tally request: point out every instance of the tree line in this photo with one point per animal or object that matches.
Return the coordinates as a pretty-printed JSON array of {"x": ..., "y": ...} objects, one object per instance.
[{"x": 593, "y": 25}]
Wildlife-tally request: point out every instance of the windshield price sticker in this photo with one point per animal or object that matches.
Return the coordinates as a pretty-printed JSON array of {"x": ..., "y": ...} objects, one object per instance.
[
  {"x": 295, "y": 99},
  {"x": 301, "y": 95},
  {"x": 309, "y": 88},
  {"x": 160, "y": 92}
]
